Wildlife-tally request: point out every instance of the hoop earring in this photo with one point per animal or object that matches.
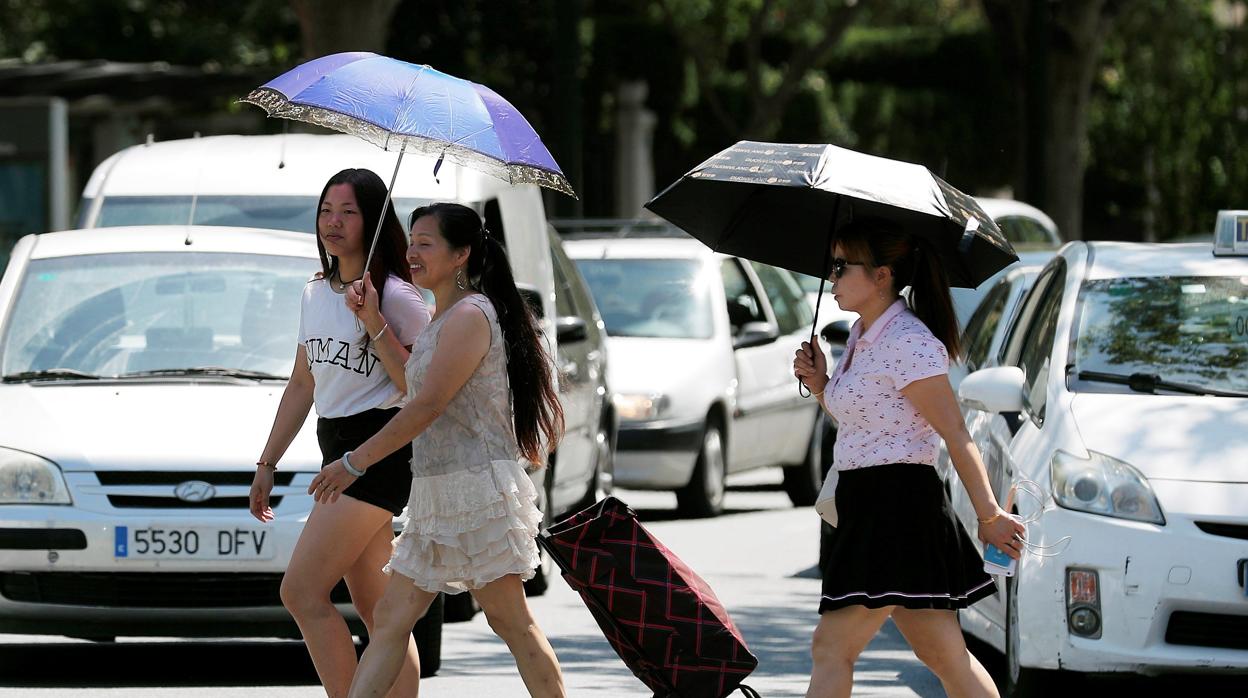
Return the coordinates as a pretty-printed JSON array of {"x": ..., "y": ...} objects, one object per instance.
[{"x": 461, "y": 281}]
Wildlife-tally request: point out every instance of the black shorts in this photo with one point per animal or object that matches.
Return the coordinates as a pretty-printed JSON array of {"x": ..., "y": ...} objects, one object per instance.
[
  {"x": 386, "y": 483},
  {"x": 898, "y": 543}
]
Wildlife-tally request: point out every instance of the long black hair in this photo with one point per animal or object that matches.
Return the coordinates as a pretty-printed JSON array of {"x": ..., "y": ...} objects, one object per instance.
[
  {"x": 915, "y": 264},
  {"x": 391, "y": 255},
  {"x": 536, "y": 412}
]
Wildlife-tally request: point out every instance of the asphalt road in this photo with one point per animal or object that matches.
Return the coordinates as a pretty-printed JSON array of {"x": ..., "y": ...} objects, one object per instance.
[{"x": 759, "y": 558}]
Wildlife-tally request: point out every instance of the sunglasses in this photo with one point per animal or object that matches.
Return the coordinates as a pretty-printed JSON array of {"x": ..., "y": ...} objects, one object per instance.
[{"x": 838, "y": 266}]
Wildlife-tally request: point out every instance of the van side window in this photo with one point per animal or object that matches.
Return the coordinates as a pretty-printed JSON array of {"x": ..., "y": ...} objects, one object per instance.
[{"x": 493, "y": 218}]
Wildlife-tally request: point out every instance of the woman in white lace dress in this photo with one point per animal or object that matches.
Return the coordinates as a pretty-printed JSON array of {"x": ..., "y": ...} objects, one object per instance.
[{"x": 481, "y": 405}]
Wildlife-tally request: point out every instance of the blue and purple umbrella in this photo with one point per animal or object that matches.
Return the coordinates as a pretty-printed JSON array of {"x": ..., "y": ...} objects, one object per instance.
[{"x": 404, "y": 107}]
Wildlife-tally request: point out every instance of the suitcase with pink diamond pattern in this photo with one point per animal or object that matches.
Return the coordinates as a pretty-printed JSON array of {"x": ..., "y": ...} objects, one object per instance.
[{"x": 659, "y": 615}]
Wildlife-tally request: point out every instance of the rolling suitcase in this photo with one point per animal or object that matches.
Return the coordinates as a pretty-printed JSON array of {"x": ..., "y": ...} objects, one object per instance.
[{"x": 662, "y": 618}]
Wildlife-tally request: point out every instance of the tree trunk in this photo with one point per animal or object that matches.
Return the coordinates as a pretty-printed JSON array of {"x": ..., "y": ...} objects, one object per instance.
[
  {"x": 334, "y": 26},
  {"x": 1052, "y": 61}
]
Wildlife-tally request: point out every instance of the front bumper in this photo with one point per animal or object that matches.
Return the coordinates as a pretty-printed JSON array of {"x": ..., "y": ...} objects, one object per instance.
[
  {"x": 60, "y": 574},
  {"x": 1170, "y": 597},
  {"x": 656, "y": 455}
]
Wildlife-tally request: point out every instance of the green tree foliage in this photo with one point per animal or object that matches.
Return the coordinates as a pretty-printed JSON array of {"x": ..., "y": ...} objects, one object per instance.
[
  {"x": 1169, "y": 122},
  {"x": 223, "y": 33}
]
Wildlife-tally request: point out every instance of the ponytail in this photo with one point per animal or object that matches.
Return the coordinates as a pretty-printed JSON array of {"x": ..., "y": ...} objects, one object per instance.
[
  {"x": 914, "y": 264},
  {"x": 536, "y": 412}
]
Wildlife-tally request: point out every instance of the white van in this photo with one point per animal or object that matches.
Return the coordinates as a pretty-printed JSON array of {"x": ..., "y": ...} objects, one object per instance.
[{"x": 274, "y": 182}]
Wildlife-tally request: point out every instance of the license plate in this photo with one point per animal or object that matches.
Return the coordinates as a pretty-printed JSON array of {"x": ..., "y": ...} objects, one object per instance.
[{"x": 192, "y": 543}]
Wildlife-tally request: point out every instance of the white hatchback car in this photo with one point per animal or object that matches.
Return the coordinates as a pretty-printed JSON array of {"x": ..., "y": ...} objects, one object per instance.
[
  {"x": 141, "y": 371},
  {"x": 1122, "y": 392},
  {"x": 701, "y": 351}
]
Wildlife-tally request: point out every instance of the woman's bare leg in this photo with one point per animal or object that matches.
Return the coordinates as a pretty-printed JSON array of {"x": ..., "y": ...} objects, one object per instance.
[
  {"x": 839, "y": 638},
  {"x": 332, "y": 540},
  {"x": 367, "y": 584},
  {"x": 400, "y": 606},
  {"x": 937, "y": 641},
  {"x": 507, "y": 612}
]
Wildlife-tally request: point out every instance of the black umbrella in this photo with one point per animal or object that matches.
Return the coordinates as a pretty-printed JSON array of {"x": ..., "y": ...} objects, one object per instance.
[{"x": 780, "y": 203}]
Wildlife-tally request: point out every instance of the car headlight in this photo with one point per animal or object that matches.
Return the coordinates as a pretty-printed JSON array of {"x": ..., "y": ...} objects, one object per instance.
[
  {"x": 29, "y": 479},
  {"x": 636, "y": 407},
  {"x": 1103, "y": 485}
]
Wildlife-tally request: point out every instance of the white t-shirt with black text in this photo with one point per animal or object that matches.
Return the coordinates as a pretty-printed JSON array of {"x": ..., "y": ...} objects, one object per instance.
[{"x": 350, "y": 379}]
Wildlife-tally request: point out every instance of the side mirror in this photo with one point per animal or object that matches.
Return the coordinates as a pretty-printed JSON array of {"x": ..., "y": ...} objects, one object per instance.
[
  {"x": 570, "y": 328},
  {"x": 754, "y": 334},
  {"x": 835, "y": 332},
  {"x": 996, "y": 389},
  {"x": 533, "y": 298}
]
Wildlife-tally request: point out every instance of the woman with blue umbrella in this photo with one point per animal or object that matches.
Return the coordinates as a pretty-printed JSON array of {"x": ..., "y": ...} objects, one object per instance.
[{"x": 481, "y": 406}]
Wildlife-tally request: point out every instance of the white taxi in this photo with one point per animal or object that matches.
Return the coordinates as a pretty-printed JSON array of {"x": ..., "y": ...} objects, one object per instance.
[
  {"x": 141, "y": 368},
  {"x": 1122, "y": 392}
]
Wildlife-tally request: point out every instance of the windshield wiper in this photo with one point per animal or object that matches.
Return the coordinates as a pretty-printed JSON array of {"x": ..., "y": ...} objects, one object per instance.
[
  {"x": 51, "y": 374},
  {"x": 1150, "y": 382},
  {"x": 207, "y": 371}
]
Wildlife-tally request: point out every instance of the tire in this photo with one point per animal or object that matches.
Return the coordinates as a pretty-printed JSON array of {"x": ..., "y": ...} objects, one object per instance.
[
  {"x": 428, "y": 636},
  {"x": 459, "y": 608},
  {"x": 803, "y": 481},
  {"x": 545, "y": 568},
  {"x": 703, "y": 497},
  {"x": 1020, "y": 681}
]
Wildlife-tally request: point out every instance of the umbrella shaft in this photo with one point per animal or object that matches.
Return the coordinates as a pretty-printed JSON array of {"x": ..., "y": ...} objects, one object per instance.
[{"x": 385, "y": 206}]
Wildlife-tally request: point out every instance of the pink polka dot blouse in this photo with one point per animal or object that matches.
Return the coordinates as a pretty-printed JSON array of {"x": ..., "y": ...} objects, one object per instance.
[{"x": 877, "y": 425}]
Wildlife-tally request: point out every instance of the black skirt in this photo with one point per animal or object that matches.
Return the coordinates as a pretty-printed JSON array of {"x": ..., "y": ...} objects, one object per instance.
[
  {"x": 386, "y": 483},
  {"x": 898, "y": 544}
]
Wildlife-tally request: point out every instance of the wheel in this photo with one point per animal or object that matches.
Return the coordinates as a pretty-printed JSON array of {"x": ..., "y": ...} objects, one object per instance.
[
  {"x": 803, "y": 481},
  {"x": 545, "y": 568},
  {"x": 704, "y": 495},
  {"x": 1020, "y": 681}
]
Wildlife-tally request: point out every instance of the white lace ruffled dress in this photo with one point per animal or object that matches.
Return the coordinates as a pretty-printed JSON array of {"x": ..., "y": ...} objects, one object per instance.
[{"x": 472, "y": 513}]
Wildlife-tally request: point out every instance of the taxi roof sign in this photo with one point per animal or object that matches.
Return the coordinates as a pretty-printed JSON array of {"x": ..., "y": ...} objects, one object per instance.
[{"x": 1230, "y": 234}]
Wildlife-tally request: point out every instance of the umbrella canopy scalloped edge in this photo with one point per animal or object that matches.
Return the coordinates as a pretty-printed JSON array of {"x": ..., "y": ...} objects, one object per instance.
[{"x": 276, "y": 104}]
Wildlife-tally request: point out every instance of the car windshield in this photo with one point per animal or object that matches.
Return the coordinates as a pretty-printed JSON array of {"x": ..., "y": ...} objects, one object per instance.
[
  {"x": 116, "y": 314},
  {"x": 297, "y": 213},
  {"x": 1190, "y": 330},
  {"x": 650, "y": 297}
]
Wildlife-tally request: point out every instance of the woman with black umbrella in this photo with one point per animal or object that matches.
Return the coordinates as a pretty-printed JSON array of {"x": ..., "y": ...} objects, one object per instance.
[{"x": 898, "y": 549}]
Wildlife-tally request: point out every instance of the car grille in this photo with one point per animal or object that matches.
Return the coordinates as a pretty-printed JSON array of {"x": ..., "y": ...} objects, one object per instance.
[
  {"x": 136, "y": 502},
  {"x": 1208, "y": 630},
  {"x": 149, "y": 589},
  {"x": 1239, "y": 531},
  {"x": 167, "y": 500}
]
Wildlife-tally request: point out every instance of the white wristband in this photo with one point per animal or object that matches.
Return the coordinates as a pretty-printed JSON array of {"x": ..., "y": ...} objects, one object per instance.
[{"x": 346, "y": 465}]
